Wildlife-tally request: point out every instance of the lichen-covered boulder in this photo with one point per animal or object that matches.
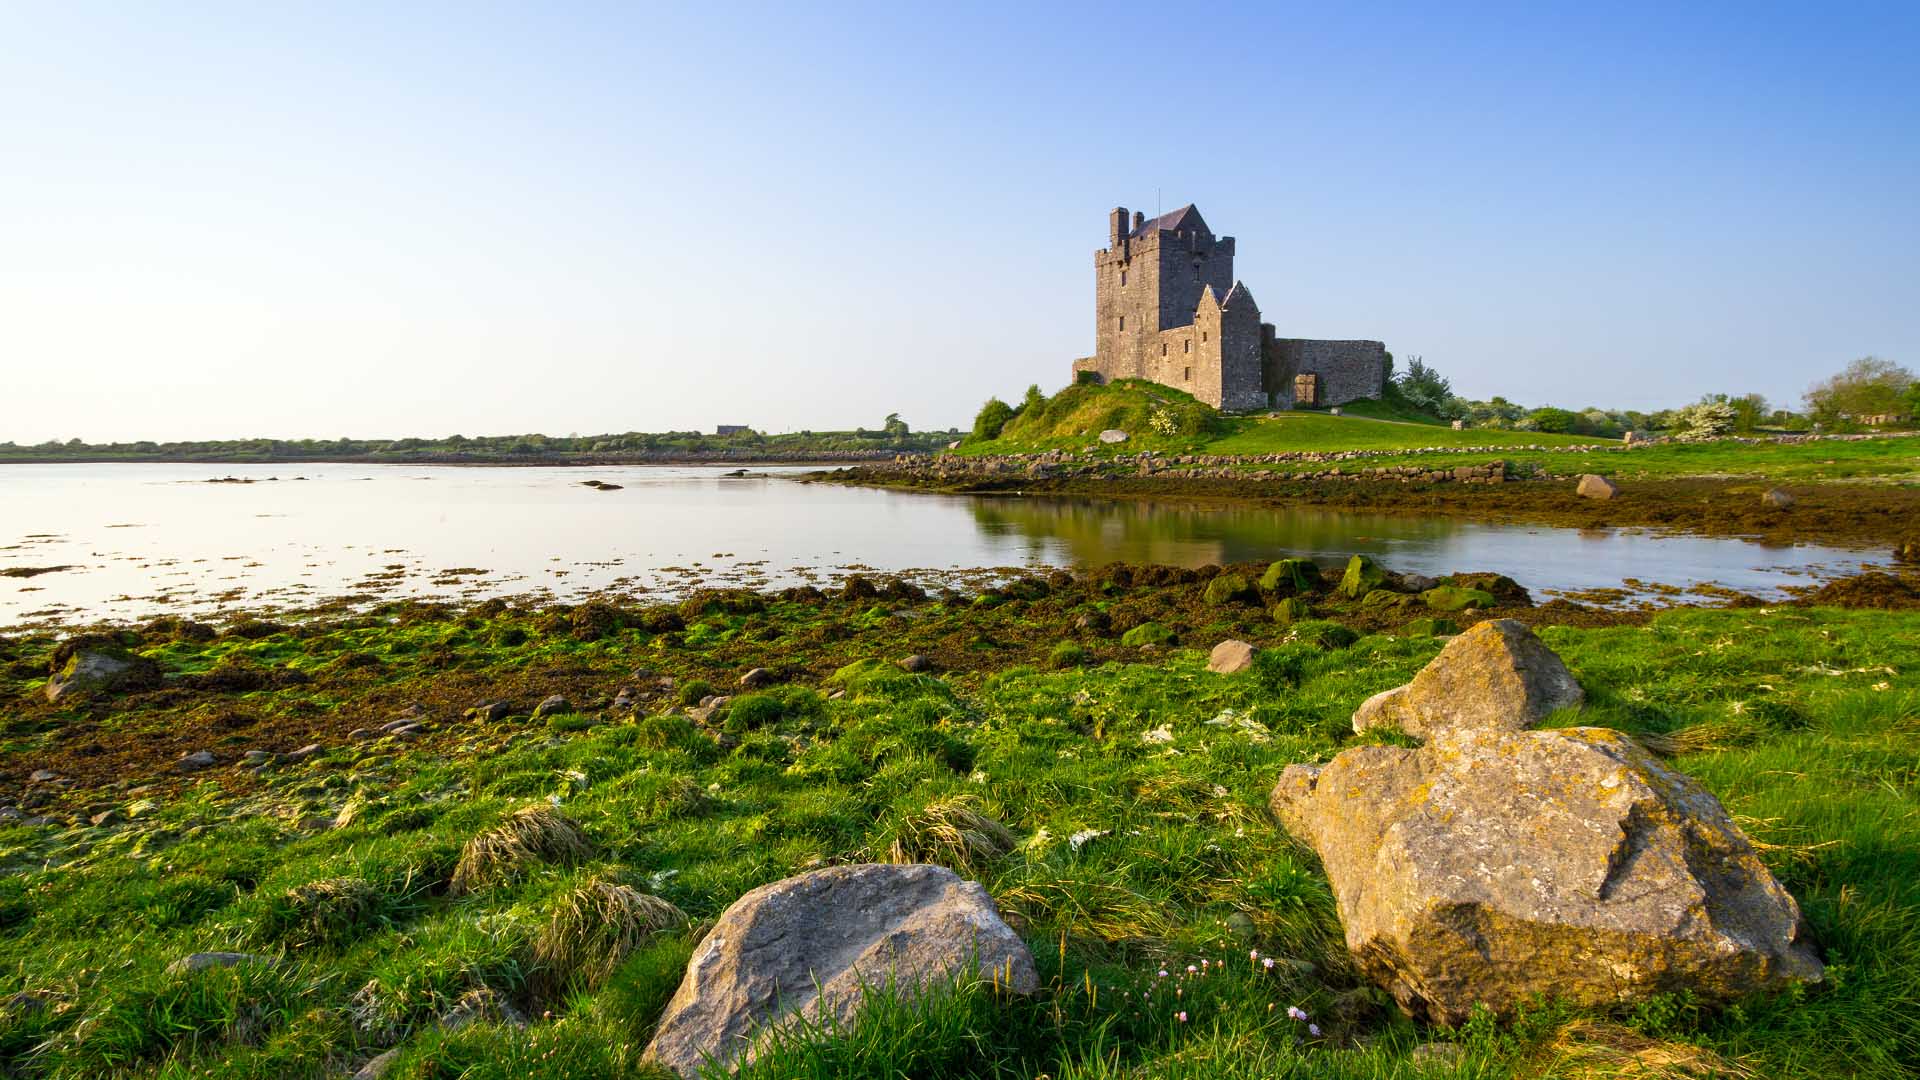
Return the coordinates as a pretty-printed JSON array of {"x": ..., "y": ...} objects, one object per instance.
[
  {"x": 1496, "y": 865},
  {"x": 1497, "y": 675},
  {"x": 808, "y": 949}
]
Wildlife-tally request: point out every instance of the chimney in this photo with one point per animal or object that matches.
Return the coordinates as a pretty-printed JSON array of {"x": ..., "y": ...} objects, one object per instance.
[
  {"x": 1139, "y": 219},
  {"x": 1116, "y": 227}
]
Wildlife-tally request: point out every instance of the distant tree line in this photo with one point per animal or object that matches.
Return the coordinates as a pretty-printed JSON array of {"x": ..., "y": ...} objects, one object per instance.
[
  {"x": 1869, "y": 393},
  {"x": 893, "y": 435}
]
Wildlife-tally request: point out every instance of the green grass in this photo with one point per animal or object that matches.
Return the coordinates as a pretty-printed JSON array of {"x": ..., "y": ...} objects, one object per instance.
[{"x": 1803, "y": 721}]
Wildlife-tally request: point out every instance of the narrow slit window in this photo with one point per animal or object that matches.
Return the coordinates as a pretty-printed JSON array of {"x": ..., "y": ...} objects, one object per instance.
[
  {"x": 1123, "y": 278},
  {"x": 1186, "y": 345},
  {"x": 1163, "y": 348},
  {"x": 1123, "y": 322},
  {"x": 1189, "y": 375}
]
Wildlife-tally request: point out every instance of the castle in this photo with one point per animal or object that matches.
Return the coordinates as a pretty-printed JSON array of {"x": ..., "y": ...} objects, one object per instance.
[{"x": 1167, "y": 309}]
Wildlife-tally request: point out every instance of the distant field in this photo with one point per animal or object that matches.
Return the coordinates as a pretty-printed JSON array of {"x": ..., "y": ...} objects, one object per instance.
[{"x": 1877, "y": 459}]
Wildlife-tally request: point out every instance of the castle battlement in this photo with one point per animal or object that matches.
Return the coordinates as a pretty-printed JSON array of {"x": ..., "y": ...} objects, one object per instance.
[{"x": 1168, "y": 309}]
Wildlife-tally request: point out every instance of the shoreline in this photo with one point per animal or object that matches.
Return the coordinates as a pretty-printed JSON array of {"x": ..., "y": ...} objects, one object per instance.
[{"x": 1862, "y": 516}]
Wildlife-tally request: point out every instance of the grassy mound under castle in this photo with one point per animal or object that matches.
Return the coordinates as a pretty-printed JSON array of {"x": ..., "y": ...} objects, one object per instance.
[
  {"x": 517, "y": 897},
  {"x": 1168, "y": 421}
]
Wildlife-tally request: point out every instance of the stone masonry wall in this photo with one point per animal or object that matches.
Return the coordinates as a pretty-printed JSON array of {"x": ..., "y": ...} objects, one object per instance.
[{"x": 1348, "y": 370}]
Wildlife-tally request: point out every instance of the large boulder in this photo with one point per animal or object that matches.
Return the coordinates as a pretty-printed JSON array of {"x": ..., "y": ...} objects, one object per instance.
[
  {"x": 1497, "y": 675},
  {"x": 1497, "y": 865},
  {"x": 805, "y": 950},
  {"x": 99, "y": 668},
  {"x": 1592, "y": 486}
]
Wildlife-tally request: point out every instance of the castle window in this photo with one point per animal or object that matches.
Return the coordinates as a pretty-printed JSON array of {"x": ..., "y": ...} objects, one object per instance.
[
  {"x": 1123, "y": 277},
  {"x": 1203, "y": 335},
  {"x": 1163, "y": 348},
  {"x": 1186, "y": 345},
  {"x": 1189, "y": 375},
  {"x": 1123, "y": 322}
]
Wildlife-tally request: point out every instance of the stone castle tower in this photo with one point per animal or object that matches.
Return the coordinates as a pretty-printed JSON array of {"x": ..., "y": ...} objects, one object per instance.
[{"x": 1168, "y": 309}]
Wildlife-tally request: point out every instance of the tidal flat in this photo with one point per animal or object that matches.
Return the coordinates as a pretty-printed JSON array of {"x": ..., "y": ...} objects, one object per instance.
[{"x": 1057, "y": 737}]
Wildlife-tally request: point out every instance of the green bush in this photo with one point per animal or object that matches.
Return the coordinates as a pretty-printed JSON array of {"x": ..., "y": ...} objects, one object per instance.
[{"x": 992, "y": 418}]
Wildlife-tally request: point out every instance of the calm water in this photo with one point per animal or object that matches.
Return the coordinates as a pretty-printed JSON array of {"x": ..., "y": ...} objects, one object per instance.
[{"x": 141, "y": 539}]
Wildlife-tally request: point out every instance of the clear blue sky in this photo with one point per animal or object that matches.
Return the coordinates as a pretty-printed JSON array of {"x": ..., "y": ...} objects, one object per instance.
[{"x": 386, "y": 219}]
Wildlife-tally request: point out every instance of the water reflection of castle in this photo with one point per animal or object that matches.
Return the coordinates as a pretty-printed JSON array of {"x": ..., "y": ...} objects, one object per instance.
[{"x": 1097, "y": 531}]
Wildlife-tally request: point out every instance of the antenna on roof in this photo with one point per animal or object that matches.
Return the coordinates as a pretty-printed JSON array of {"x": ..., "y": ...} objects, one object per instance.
[{"x": 1156, "y": 202}]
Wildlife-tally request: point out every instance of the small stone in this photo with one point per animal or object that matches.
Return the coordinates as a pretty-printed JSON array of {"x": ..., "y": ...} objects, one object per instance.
[
  {"x": 43, "y": 776},
  {"x": 105, "y": 818},
  {"x": 1777, "y": 498},
  {"x": 757, "y": 678},
  {"x": 1241, "y": 927},
  {"x": 1113, "y": 435},
  {"x": 360, "y": 734},
  {"x": 490, "y": 712},
  {"x": 1596, "y": 487},
  {"x": 916, "y": 663},
  {"x": 303, "y": 753},
  {"x": 409, "y": 731},
  {"x": 553, "y": 703},
  {"x": 1230, "y": 657},
  {"x": 199, "y": 759},
  {"x": 256, "y": 757}
]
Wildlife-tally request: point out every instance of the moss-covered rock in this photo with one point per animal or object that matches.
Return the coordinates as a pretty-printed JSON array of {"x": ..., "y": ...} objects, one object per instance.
[
  {"x": 1430, "y": 627},
  {"x": 1230, "y": 589},
  {"x": 1290, "y": 576},
  {"x": 1068, "y": 654},
  {"x": 1291, "y": 610},
  {"x": 1150, "y": 633},
  {"x": 1386, "y": 600},
  {"x": 1455, "y": 598},
  {"x": 1362, "y": 577}
]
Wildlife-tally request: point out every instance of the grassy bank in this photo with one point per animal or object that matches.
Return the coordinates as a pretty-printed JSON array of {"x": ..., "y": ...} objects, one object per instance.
[
  {"x": 1131, "y": 783},
  {"x": 1071, "y": 420}
]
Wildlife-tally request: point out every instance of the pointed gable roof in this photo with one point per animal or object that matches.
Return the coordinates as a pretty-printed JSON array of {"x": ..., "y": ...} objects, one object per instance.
[
  {"x": 1239, "y": 294},
  {"x": 1187, "y": 218}
]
